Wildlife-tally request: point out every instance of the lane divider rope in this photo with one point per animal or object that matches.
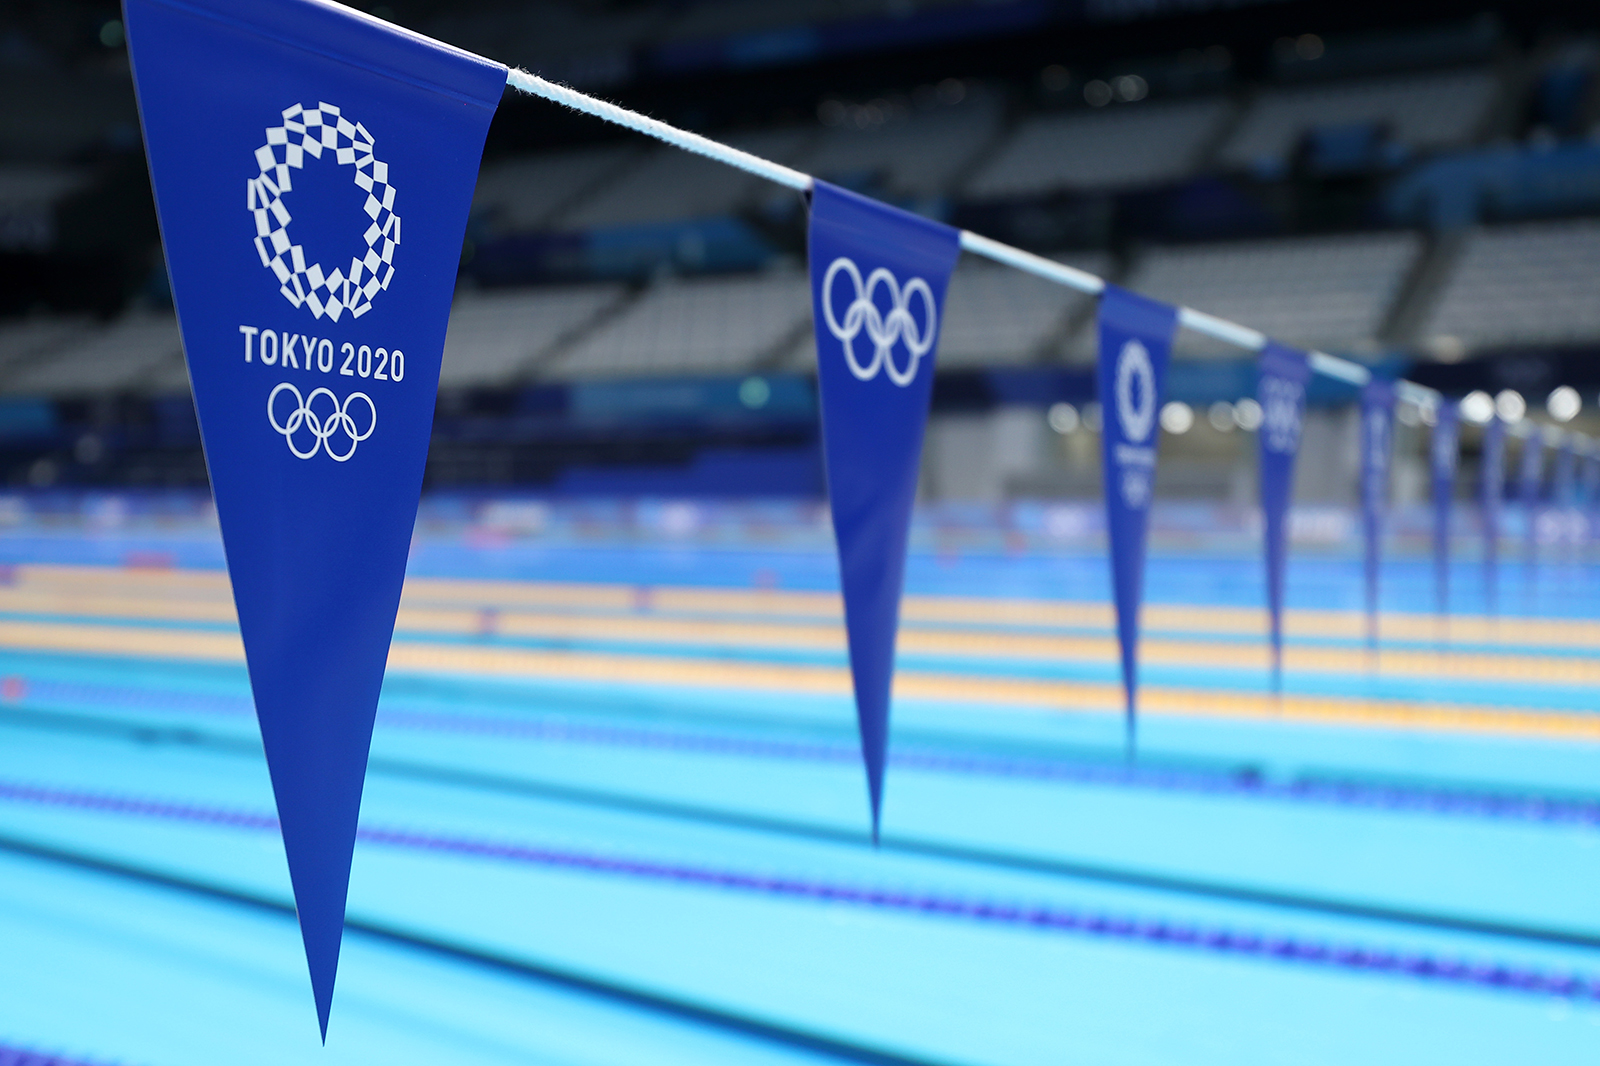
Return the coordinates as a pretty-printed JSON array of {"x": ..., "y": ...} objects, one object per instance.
[
  {"x": 1322, "y": 789},
  {"x": 1215, "y": 939}
]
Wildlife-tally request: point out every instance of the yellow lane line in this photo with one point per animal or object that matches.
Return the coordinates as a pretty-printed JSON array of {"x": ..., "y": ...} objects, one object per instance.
[
  {"x": 198, "y": 587},
  {"x": 1046, "y": 694},
  {"x": 792, "y": 636},
  {"x": 140, "y": 641}
]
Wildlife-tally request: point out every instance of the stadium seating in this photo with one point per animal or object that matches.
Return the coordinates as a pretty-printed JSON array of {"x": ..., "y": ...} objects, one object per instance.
[
  {"x": 1110, "y": 148},
  {"x": 1422, "y": 111},
  {"x": 126, "y": 355},
  {"x": 1529, "y": 283},
  {"x": 495, "y": 336},
  {"x": 920, "y": 153},
  {"x": 524, "y": 194},
  {"x": 1327, "y": 292},
  {"x": 26, "y": 340},
  {"x": 694, "y": 325},
  {"x": 28, "y": 195},
  {"x": 715, "y": 19},
  {"x": 673, "y": 184}
]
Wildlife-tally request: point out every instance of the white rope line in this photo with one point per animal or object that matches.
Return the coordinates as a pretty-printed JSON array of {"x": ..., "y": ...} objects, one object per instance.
[
  {"x": 661, "y": 131},
  {"x": 1199, "y": 321}
]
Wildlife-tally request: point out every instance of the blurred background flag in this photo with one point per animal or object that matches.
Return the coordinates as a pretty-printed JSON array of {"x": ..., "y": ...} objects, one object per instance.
[
  {"x": 1530, "y": 478},
  {"x": 1493, "y": 491},
  {"x": 878, "y": 278},
  {"x": 1563, "y": 483},
  {"x": 1281, "y": 391},
  {"x": 287, "y": 140},
  {"x": 1135, "y": 343},
  {"x": 1589, "y": 492},
  {"x": 1377, "y": 443},
  {"x": 1443, "y": 455}
]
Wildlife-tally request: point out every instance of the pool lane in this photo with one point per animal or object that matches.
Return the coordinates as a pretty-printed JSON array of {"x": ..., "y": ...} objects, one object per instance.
[
  {"x": 122, "y": 970},
  {"x": 679, "y": 812},
  {"x": 946, "y": 989},
  {"x": 1567, "y": 710},
  {"x": 1358, "y": 855},
  {"x": 1210, "y": 832}
]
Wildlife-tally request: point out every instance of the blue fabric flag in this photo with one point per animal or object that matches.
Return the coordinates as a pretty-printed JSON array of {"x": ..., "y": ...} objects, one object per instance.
[
  {"x": 1588, "y": 490},
  {"x": 1135, "y": 345},
  {"x": 1493, "y": 495},
  {"x": 1563, "y": 479},
  {"x": 1530, "y": 481},
  {"x": 1443, "y": 454},
  {"x": 1281, "y": 391},
  {"x": 1377, "y": 444},
  {"x": 1564, "y": 488},
  {"x": 287, "y": 140},
  {"x": 878, "y": 278}
]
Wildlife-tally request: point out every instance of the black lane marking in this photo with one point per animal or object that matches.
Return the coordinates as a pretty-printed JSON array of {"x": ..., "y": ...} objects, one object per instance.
[
  {"x": 659, "y": 808},
  {"x": 561, "y": 977}
]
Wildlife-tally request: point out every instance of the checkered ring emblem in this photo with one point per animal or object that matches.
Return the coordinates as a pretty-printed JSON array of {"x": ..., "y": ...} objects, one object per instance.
[{"x": 311, "y": 131}]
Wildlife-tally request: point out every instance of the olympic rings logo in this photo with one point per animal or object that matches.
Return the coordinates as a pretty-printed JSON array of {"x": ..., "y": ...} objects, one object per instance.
[
  {"x": 882, "y": 330},
  {"x": 322, "y": 428},
  {"x": 1136, "y": 411}
]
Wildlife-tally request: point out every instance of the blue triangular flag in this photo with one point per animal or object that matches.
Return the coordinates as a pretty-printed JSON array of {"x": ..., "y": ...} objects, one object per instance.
[
  {"x": 1377, "y": 444},
  {"x": 1135, "y": 344},
  {"x": 1443, "y": 454},
  {"x": 1530, "y": 482},
  {"x": 1563, "y": 478},
  {"x": 1493, "y": 494},
  {"x": 288, "y": 140},
  {"x": 1281, "y": 391},
  {"x": 878, "y": 278}
]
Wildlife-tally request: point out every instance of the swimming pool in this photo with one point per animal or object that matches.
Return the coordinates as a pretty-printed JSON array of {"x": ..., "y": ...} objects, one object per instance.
[{"x": 615, "y": 813}]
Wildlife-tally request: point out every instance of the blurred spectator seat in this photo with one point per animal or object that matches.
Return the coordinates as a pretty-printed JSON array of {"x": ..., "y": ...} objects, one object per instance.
[
  {"x": 673, "y": 184},
  {"x": 1527, "y": 283},
  {"x": 905, "y": 151},
  {"x": 28, "y": 198},
  {"x": 494, "y": 336},
  {"x": 134, "y": 353},
  {"x": 1419, "y": 111},
  {"x": 1325, "y": 292},
  {"x": 517, "y": 195},
  {"x": 705, "y": 325},
  {"x": 1128, "y": 145}
]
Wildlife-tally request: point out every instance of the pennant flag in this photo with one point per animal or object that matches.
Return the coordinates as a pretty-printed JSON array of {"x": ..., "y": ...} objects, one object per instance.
[
  {"x": 288, "y": 139},
  {"x": 1493, "y": 492},
  {"x": 1377, "y": 440},
  {"x": 1446, "y": 447},
  {"x": 1588, "y": 486},
  {"x": 1281, "y": 391},
  {"x": 1135, "y": 344},
  {"x": 1563, "y": 481},
  {"x": 1564, "y": 489},
  {"x": 878, "y": 278},
  {"x": 1530, "y": 479}
]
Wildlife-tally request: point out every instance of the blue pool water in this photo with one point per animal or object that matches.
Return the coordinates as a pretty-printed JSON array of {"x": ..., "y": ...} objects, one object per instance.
[{"x": 579, "y": 871}]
